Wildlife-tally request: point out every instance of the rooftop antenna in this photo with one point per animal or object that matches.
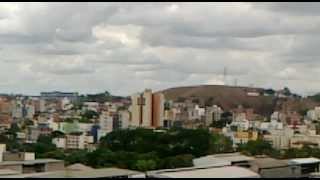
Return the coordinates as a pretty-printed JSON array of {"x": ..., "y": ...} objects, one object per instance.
[
  {"x": 235, "y": 82},
  {"x": 225, "y": 75}
]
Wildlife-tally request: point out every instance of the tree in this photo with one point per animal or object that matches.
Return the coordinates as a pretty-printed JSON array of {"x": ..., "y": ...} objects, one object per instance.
[
  {"x": 90, "y": 114},
  {"x": 166, "y": 106},
  {"x": 270, "y": 91},
  {"x": 145, "y": 165},
  {"x": 258, "y": 147},
  {"x": 14, "y": 129},
  {"x": 179, "y": 161},
  {"x": 315, "y": 97},
  {"x": 286, "y": 91},
  {"x": 181, "y": 99},
  {"x": 55, "y": 154},
  {"x": 209, "y": 102},
  {"x": 79, "y": 156},
  {"x": 57, "y": 134},
  {"x": 220, "y": 144},
  {"x": 303, "y": 111}
]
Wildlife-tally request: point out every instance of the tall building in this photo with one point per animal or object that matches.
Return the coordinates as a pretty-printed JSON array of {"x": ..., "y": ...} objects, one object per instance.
[{"x": 147, "y": 109}]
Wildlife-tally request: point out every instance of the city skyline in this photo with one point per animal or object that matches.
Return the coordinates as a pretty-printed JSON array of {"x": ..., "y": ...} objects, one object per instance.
[{"x": 127, "y": 47}]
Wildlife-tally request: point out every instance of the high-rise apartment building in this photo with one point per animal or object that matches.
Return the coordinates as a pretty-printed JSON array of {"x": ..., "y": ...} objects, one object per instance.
[{"x": 147, "y": 109}]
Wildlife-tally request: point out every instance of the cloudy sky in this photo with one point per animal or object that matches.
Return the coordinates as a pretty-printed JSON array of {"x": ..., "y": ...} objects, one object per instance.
[{"x": 126, "y": 47}]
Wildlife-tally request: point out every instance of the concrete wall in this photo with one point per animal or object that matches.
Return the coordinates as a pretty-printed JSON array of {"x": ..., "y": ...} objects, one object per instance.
[
  {"x": 280, "y": 172},
  {"x": 13, "y": 156},
  {"x": 17, "y": 168},
  {"x": 55, "y": 166}
]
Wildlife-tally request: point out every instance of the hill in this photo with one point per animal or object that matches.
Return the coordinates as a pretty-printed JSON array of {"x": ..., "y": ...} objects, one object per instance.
[{"x": 229, "y": 97}]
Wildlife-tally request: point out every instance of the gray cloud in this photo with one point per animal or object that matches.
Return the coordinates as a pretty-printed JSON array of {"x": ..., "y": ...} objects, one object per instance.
[{"x": 126, "y": 47}]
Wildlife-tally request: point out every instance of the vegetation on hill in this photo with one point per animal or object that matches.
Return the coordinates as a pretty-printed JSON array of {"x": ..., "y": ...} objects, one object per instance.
[
  {"x": 315, "y": 97},
  {"x": 100, "y": 97}
]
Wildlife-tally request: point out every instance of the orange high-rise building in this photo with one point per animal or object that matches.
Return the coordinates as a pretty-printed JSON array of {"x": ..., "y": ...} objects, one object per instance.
[{"x": 147, "y": 109}]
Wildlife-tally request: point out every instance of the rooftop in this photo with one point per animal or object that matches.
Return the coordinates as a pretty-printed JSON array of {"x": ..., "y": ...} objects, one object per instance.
[
  {"x": 4, "y": 172},
  {"x": 28, "y": 162},
  {"x": 221, "y": 159},
  {"x": 210, "y": 161},
  {"x": 269, "y": 163},
  {"x": 216, "y": 172},
  {"x": 234, "y": 157},
  {"x": 94, "y": 173},
  {"x": 304, "y": 160},
  {"x": 78, "y": 166}
]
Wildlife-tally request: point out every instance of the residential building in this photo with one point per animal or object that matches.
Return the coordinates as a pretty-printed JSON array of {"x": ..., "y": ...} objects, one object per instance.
[
  {"x": 91, "y": 106},
  {"x": 147, "y": 109},
  {"x": 280, "y": 139},
  {"x": 106, "y": 122},
  {"x": 196, "y": 113},
  {"x": 212, "y": 114},
  {"x": 124, "y": 119},
  {"x": 75, "y": 140}
]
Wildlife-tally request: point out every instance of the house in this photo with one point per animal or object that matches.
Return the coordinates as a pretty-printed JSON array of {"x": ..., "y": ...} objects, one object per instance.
[{"x": 75, "y": 140}]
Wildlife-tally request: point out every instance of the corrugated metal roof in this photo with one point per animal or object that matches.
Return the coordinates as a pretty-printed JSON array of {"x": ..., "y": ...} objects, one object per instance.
[{"x": 217, "y": 172}]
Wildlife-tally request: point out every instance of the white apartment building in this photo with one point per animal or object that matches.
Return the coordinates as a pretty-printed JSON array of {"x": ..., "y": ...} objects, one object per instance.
[
  {"x": 106, "y": 121},
  {"x": 314, "y": 114},
  {"x": 59, "y": 142},
  {"x": 213, "y": 113},
  {"x": 17, "y": 109},
  {"x": 196, "y": 113},
  {"x": 75, "y": 141},
  {"x": 66, "y": 104},
  {"x": 124, "y": 118},
  {"x": 272, "y": 125},
  {"x": 30, "y": 111},
  {"x": 280, "y": 139},
  {"x": 85, "y": 127},
  {"x": 242, "y": 124},
  {"x": 90, "y": 106}
]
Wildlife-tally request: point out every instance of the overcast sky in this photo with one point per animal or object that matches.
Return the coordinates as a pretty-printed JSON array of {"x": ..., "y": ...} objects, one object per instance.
[{"x": 126, "y": 47}]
